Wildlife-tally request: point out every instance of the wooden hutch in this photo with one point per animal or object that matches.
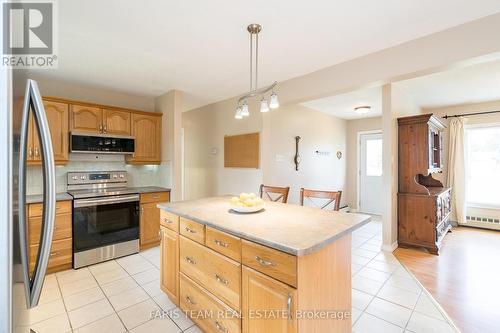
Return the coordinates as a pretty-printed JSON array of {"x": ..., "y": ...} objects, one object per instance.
[{"x": 424, "y": 204}]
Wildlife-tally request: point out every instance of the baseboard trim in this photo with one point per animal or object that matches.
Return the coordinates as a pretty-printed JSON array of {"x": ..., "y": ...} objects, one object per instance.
[{"x": 390, "y": 247}]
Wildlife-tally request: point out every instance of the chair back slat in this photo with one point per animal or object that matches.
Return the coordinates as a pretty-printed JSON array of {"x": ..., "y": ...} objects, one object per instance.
[
  {"x": 333, "y": 196},
  {"x": 282, "y": 193}
]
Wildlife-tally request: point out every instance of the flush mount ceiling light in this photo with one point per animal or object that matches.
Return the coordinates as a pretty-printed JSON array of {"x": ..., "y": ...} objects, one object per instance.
[
  {"x": 362, "y": 109},
  {"x": 242, "y": 109}
]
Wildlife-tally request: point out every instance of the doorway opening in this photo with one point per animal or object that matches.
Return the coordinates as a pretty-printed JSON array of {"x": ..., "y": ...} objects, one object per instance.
[{"x": 370, "y": 172}]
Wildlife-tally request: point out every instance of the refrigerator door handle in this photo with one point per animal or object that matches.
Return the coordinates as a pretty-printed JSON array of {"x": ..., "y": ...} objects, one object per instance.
[{"x": 33, "y": 285}]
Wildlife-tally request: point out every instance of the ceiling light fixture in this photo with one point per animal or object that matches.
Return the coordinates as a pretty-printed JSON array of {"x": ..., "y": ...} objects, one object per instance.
[
  {"x": 362, "y": 109},
  {"x": 242, "y": 109}
]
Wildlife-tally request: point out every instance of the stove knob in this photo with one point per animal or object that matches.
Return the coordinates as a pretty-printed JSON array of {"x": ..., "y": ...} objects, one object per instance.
[
  {"x": 115, "y": 176},
  {"x": 82, "y": 177},
  {"x": 74, "y": 177},
  {"x": 122, "y": 175}
]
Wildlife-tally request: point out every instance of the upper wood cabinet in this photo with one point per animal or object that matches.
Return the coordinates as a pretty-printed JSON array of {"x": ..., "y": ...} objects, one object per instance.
[
  {"x": 147, "y": 132},
  {"x": 100, "y": 121},
  {"x": 57, "y": 116},
  {"x": 86, "y": 119},
  {"x": 116, "y": 122}
]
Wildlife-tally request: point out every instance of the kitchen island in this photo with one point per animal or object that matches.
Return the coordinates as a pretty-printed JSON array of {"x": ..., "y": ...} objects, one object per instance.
[{"x": 284, "y": 269}]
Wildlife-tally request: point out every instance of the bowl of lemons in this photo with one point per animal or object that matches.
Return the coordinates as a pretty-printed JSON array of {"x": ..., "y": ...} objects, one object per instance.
[{"x": 247, "y": 203}]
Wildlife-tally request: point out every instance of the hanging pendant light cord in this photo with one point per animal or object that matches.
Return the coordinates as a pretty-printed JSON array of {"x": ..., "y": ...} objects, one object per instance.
[
  {"x": 251, "y": 61},
  {"x": 256, "y": 59}
]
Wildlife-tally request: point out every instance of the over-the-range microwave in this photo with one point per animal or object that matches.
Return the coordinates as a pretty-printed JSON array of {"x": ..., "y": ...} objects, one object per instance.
[{"x": 101, "y": 143}]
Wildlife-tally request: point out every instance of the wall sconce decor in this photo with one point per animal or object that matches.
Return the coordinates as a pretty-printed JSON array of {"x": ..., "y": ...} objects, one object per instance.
[{"x": 296, "y": 158}]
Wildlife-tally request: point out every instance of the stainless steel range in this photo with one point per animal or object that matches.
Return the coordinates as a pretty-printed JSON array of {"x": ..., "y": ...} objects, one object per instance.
[{"x": 105, "y": 216}]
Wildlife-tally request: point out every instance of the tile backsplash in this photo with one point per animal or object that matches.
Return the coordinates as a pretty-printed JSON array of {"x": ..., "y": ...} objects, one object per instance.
[{"x": 138, "y": 175}]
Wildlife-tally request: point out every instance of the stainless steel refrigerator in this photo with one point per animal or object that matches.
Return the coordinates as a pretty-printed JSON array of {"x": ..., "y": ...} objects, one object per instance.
[{"x": 20, "y": 290}]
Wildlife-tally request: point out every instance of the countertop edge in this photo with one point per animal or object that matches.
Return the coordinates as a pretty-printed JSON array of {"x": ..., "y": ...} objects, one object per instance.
[
  {"x": 65, "y": 196},
  {"x": 298, "y": 253}
]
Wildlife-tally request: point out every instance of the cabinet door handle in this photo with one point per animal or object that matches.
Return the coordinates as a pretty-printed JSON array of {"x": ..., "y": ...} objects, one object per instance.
[
  {"x": 221, "y": 244},
  {"x": 54, "y": 254},
  {"x": 220, "y": 328},
  {"x": 105, "y": 128},
  {"x": 142, "y": 209},
  {"x": 37, "y": 153},
  {"x": 100, "y": 128},
  {"x": 190, "y": 260},
  {"x": 189, "y": 300},
  {"x": 264, "y": 262},
  {"x": 166, "y": 220},
  {"x": 289, "y": 306},
  {"x": 30, "y": 152},
  {"x": 160, "y": 233},
  {"x": 221, "y": 280},
  {"x": 190, "y": 230}
]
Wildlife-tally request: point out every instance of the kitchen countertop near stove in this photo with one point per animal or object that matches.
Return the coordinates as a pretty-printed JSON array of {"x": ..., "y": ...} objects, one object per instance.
[
  {"x": 38, "y": 198},
  {"x": 150, "y": 189}
]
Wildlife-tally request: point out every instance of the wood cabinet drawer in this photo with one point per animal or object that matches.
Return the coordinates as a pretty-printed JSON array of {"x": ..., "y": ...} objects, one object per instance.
[
  {"x": 154, "y": 197},
  {"x": 214, "y": 316},
  {"x": 60, "y": 254},
  {"x": 62, "y": 228},
  {"x": 223, "y": 243},
  {"x": 192, "y": 230},
  {"x": 281, "y": 266},
  {"x": 62, "y": 207},
  {"x": 169, "y": 220},
  {"x": 221, "y": 275}
]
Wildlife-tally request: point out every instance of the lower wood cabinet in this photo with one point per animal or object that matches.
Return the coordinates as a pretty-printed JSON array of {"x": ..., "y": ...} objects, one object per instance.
[
  {"x": 215, "y": 316},
  {"x": 231, "y": 285},
  {"x": 150, "y": 218},
  {"x": 61, "y": 255},
  {"x": 169, "y": 259},
  {"x": 268, "y": 305}
]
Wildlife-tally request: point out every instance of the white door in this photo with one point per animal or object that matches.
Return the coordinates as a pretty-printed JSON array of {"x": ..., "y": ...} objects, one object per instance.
[{"x": 370, "y": 173}]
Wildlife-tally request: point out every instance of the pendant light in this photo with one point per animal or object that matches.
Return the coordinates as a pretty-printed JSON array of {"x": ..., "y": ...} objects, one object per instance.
[{"x": 242, "y": 109}]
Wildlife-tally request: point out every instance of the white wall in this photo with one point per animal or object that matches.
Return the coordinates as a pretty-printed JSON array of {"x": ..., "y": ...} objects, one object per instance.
[
  {"x": 318, "y": 131},
  {"x": 395, "y": 104},
  {"x": 171, "y": 105},
  {"x": 91, "y": 94},
  {"x": 206, "y": 127},
  {"x": 352, "y": 154}
]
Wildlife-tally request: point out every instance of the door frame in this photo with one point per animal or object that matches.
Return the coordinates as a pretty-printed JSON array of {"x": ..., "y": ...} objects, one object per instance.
[{"x": 358, "y": 166}]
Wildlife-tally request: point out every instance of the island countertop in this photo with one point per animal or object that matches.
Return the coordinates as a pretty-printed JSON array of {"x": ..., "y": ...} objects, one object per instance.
[{"x": 289, "y": 228}]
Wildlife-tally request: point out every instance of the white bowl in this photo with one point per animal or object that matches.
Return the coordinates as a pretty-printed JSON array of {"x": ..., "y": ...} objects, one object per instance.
[{"x": 245, "y": 209}]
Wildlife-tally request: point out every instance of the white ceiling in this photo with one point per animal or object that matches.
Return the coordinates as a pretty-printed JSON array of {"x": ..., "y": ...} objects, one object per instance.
[
  {"x": 473, "y": 84},
  {"x": 342, "y": 106},
  {"x": 201, "y": 47}
]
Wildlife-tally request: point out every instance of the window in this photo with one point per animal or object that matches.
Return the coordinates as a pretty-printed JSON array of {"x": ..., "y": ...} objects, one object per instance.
[
  {"x": 483, "y": 166},
  {"x": 374, "y": 157}
]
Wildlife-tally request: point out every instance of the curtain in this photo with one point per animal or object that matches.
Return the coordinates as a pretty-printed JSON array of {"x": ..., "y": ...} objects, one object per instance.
[{"x": 456, "y": 168}]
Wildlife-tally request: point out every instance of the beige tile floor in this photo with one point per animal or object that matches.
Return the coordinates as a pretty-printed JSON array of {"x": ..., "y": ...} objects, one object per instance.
[{"x": 123, "y": 295}]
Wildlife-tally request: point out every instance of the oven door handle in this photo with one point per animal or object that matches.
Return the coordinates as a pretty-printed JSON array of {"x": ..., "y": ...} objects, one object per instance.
[{"x": 105, "y": 201}]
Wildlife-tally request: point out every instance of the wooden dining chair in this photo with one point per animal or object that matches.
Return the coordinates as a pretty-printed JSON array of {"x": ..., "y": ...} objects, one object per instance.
[
  {"x": 267, "y": 191},
  {"x": 330, "y": 196}
]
